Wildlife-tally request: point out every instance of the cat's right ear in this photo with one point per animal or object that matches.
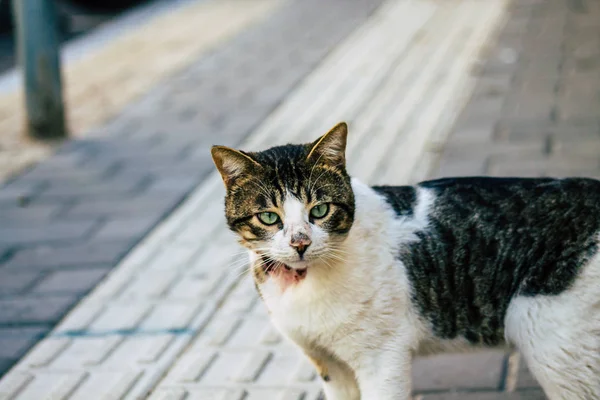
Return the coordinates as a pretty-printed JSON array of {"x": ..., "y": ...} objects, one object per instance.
[
  {"x": 331, "y": 147},
  {"x": 232, "y": 163}
]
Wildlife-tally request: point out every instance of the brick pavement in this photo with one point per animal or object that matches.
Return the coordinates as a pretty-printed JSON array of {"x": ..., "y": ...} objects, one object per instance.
[
  {"x": 65, "y": 223},
  {"x": 100, "y": 83},
  {"x": 178, "y": 319}
]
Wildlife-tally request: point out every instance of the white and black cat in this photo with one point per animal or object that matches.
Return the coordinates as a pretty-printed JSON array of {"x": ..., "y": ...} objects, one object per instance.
[{"x": 363, "y": 278}]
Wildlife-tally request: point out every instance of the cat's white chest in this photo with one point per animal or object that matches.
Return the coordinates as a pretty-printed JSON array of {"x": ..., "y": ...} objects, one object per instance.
[
  {"x": 318, "y": 309},
  {"x": 307, "y": 311}
]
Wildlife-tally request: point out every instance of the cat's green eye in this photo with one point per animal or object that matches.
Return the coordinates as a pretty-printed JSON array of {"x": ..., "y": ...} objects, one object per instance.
[
  {"x": 268, "y": 218},
  {"x": 319, "y": 211}
]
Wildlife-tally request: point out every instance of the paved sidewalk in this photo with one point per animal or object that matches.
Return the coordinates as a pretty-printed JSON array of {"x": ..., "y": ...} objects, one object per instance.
[
  {"x": 100, "y": 83},
  {"x": 65, "y": 223},
  {"x": 175, "y": 319}
]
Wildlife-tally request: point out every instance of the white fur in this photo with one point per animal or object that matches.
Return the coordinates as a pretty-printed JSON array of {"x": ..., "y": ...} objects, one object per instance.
[
  {"x": 356, "y": 316},
  {"x": 559, "y": 337}
]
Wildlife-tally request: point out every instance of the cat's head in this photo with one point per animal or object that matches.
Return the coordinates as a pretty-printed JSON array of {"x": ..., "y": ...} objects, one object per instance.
[{"x": 291, "y": 204}]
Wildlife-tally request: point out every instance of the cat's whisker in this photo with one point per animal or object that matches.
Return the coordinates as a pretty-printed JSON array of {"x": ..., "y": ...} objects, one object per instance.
[
  {"x": 338, "y": 250},
  {"x": 242, "y": 273},
  {"x": 241, "y": 269},
  {"x": 334, "y": 251},
  {"x": 238, "y": 265},
  {"x": 334, "y": 257}
]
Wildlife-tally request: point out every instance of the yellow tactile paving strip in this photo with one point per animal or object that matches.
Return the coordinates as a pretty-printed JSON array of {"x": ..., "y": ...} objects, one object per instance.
[{"x": 100, "y": 85}]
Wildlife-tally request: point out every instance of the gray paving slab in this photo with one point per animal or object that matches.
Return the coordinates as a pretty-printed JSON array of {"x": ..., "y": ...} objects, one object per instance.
[
  {"x": 12, "y": 283},
  {"x": 70, "y": 281},
  {"x": 24, "y": 310},
  {"x": 66, "y": 255},
  {"x": 15, "y": 341},
  {"x": 14, "y": 234}
]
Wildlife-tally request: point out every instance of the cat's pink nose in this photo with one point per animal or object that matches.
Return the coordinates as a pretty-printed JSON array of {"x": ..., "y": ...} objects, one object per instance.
[{"x": 300, "y": 242}]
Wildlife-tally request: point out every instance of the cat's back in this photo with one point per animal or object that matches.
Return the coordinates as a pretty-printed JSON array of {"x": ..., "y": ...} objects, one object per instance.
[
  {"x": 561, "y": 210},
  {"x": 489, "y": 239}
]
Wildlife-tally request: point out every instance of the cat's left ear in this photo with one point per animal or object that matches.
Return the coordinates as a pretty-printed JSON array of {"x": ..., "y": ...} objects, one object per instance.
[
  {"x": 330, "y": 148},
  {"x": 232, "y": 163}
]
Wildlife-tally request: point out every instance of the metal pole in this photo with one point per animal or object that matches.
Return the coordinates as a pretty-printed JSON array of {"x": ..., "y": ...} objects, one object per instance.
[{"x": 39, "y": 57}]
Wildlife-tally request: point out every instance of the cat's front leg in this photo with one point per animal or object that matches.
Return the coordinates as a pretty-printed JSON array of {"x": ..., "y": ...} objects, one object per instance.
[
  {"x": 386, "y": 375},
  {"x": 338, "y": 379}
]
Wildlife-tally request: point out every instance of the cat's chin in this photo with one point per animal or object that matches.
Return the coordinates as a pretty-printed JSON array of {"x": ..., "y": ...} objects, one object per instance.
[{"x": 291, "y": 273}]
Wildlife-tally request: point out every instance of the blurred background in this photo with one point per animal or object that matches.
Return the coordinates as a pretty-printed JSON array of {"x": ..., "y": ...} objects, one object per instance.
[
  {"x": 75, "y": 17},
  {"x": 118, "y": 277}
]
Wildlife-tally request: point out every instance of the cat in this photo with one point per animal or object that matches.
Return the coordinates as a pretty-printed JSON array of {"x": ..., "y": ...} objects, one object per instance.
[{"x": 363, "y": 278}]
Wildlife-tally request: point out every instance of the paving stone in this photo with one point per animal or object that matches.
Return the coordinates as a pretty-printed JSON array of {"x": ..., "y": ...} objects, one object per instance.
[
  {"x": 529, "y": 110},
  {"x": 453, "y": 167},
  {"x": 106, "y": 385},
  {"x": 572, "y": 147},
  {"x": 50, "y": 232},
  {"x": 5, "y": 252},
  {"x": 152, "y": 285},
  {"x": 542, "y": 132},
  {"x": 93, "y": 189},
  {"x": 12, "y": 283},
  {"x": 46, "y": 257},
  {"x": 18, "y": 191},
  {"x": 85, "y": 351},
  {"x": 464, "y": 151},
  {"x": 24, "y": 215},
  {"x": 71, "y": 282},
  {"x": 165, "y": 185},
  {"x": 125, "y": 228},
  {"x": 43, "y": 172},
  {"x": 543, "y": 165},
  {"x": 481, "y": 370},
  {"x": 47, "y": 385},
  {"x": 116, "y": 150},
  {"x": 492, "y": 86},
  {"x": 524, "y": 378},
  {"x": 14, "y": 342},
  {"x": 153, "y": 201},
  {"x": 6, "y": 364},
  {"x": 484, "y": 109},
  {"x": 121, "y": 316},
  {"x": 46, "y": 310},
  {"x": 179, "y": 257},
  {"x": 499, "y": 68},
  {"x": 475, "y": 131}
]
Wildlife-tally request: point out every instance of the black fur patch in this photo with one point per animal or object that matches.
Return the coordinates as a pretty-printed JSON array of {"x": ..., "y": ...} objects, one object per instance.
[{"x": 490, "y": 239}]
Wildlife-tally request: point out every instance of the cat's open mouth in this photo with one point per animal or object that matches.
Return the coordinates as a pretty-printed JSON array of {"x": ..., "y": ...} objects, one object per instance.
[{"x": 280, "y": 270}]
